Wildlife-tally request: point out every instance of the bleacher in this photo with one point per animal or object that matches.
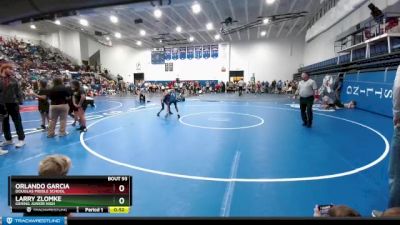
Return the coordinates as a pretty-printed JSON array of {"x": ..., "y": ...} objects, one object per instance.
[{"x": 376, "y": 45}]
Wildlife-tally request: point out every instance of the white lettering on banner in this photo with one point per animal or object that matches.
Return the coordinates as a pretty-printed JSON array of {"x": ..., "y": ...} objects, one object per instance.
[
  {"x": 379, "y": 92},
  {"x": 349, "y": 90},
  {"x": 356, "y": 90},
  {"x": 369, "y": 90},
  {"x": 388, "y": 94}
]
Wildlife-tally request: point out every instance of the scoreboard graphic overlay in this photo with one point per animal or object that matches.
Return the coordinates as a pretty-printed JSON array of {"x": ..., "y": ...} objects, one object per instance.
[{"x": 72, "y": 194}]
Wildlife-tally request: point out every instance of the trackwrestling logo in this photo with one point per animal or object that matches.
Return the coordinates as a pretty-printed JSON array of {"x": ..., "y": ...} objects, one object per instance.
[{"x": 34, "y": 220}]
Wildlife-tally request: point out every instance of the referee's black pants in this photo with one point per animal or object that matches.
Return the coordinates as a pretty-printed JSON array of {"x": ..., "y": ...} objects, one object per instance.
[{"x": 306, "y": 105}]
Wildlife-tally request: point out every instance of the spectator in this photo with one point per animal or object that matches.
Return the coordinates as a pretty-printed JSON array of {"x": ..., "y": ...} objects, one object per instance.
[
  {"x": 3, "y": 113},
  {"x": 59, "y": 96},
  {"x": 54, "y": 166},
  {"x": 394, "y": 165},
  {"x": 78, "y": 101},
  {"x": 392, "y": 212},
  {"x": 337, "y": 87},
  {"x": 43, "y": 103},
  {"x": 279, "y": 86},
  {"x": 327, "y": 94},
  {"x": 12, "y": 97},
  {"x": 241, "y": 84},
  {"x": 337, "y": 211}
]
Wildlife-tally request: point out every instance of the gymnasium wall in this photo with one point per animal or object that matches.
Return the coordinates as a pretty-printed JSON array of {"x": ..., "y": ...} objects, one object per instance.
[
  {"x": 70, "y": 44},
  {"x": 52, "y": 39},
  {"x": 7, "y": 31},
  {"x": 84, "y": 47},
  {"x": 194, "y": 69},
  {"x": 118, "y": 59},
  {"x": 322, "y": 47},
  {"x": 268, "y": 60}
]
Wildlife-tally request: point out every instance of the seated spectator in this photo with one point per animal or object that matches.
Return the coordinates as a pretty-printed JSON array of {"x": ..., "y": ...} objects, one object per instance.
[
  {"x": 393, "y": 212},
  {"x": 337, "y": 211},
  {"x": 350, "y": 105},
  {"x": 327, "y": 103},
  {"x": 53, "y": 166}
]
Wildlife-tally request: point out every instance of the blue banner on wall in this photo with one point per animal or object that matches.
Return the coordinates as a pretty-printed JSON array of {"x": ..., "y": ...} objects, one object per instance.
[
  {"x": 175, "y": 53},
  {"x": 206, "y": 51},
  {"x": 214, "y": 51},
  {"x": 198, "y": 52},
  {"x": 182, "y": 53},
  {"x": 373, "y": 91},
  {"x": 168, "y": 53},
  {"x": 157, "y": 57},
  {"x": 190, "y": 52}
]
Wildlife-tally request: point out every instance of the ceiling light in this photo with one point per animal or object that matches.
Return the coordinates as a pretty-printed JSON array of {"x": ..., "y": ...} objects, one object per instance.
[
  {"x": 269, "y": 2},
  {"x": 139, "y": 43},
  {"x": 179, "y": 29},
  {"x": 107, "y": 38},
  {"x": 33, "y": 26},
  {"x": 263, "y": 33},
  {"x": 210, "y": 26},
  {"x": 160, "y": 41},
  {"x": 196, "y": 8},
  {"x": 58, "y": 22},
  {"x": 114, "y": 19},
  {"x": 157, "y": 13},
  {"x": 142, "y": 33},
  {"x": 118, "y": 35},
  {"x": 191, "y": 39},
  {"x": 217, "y": 37},
  {"x": 84, "y": 22},
  {"x": 266, "y": 21}
]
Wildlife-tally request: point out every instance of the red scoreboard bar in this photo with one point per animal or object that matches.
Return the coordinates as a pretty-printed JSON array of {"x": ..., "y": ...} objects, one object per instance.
[{"x": 71, "y": 194}]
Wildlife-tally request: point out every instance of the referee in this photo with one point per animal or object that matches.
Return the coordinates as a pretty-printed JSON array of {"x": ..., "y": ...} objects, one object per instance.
[{"x": 307, "y": 90}]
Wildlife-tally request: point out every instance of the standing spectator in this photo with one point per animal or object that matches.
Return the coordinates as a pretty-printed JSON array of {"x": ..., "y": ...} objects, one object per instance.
[
  {"x": 3, "y": 113},
  {"x": 266, "y": 88},
  {"x": 43, "y": 103},
  {"x": 279, "y": 86},
  {"x": 337, "y": 87},
  {"x": 258, "y": 87},
  {"x": 241, "y": 84},
  {"x": 12, "y": 97},
  {"x": 394, "y": 165},
  {"x": 59, "y": 96},
  {"x": 78, "y": 101},
  {"x": 273, "y": 86},
  {"x": 307, "y": 90}
]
